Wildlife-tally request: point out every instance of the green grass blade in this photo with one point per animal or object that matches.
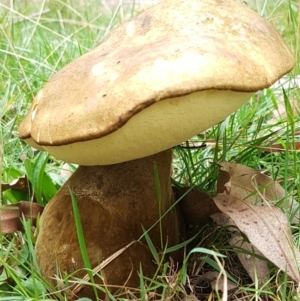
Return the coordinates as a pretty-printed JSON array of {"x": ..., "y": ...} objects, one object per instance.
[
  {"x": 28, "y": 236},
  {"x": 181, "y": 245},
  {"x": 142, "y": 285},
  {"x": 37, "y": 175},
  {"x": 216, "y": 267},
  {"x": 81, "y": 240},
  {"x": 151, "y": 246}
]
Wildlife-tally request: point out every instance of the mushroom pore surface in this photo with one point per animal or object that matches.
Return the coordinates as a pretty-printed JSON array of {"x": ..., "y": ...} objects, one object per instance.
[{"x": 156, "y": 128}]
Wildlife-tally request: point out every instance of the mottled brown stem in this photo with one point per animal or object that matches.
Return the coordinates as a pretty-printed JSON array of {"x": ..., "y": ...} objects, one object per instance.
[{"x": 114, "y": 202}]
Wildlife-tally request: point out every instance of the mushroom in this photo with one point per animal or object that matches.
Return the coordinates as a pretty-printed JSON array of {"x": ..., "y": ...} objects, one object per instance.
[{"x": 171, "y": 72}]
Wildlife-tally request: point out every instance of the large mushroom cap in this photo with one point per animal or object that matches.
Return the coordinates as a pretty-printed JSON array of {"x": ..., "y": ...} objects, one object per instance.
[{"x": 166, "y": 75}]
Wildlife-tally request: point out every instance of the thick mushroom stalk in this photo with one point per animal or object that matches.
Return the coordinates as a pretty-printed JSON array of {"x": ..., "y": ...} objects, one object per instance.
[
  {"x": 114, "y": 201},
  {"x": 157, "y": 80}
]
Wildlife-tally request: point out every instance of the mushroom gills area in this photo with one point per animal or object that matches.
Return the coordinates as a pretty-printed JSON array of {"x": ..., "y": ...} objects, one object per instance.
[
  {"x": 158, "y": 127},
  {"x": 114, "y": 202}
]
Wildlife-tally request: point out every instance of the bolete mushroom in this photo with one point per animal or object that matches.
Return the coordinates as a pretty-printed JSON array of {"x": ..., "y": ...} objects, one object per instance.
[{"x": 155, "y": 81}]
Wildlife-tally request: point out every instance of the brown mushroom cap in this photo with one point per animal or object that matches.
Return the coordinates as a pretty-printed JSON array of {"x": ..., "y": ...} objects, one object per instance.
[{"x": 157, "y": 80}]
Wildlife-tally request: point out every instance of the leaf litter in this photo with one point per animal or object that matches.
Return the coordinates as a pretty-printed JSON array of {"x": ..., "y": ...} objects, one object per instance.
[
  {"x": 247, "y": 201},
  {"x": 250, "y": 205}
]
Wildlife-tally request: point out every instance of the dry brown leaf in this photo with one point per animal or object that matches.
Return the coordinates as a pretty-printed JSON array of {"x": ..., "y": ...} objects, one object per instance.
[
  {"x": 10, "y": 215},
  {"x": 10, "y": 219},
  {"x": 244, "y": 181},
  {"x": 17, "y": 184},
  {"x": 256, "y": 268},
  {"x": 267, "y": 229}
]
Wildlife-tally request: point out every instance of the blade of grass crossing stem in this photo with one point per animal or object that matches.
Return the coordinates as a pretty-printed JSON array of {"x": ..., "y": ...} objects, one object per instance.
[
  {"x": 158, "y": 196},
  {"x": 142, "y": 284},
  {"x": 37, "y": 175},
  {"x": 81, "y": 240},
  {"x": 181, "y": 245},
  {"x": 151, "y": 246},
  {"x": 159, "y": 261}
]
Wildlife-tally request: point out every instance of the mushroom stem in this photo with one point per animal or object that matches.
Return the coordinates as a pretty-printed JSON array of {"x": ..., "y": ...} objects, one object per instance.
[{"x": 114, "y": 202}]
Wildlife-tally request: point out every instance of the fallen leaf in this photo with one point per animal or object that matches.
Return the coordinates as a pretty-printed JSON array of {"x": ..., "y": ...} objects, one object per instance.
[
  {"x": 256, "y": 268},
  {"x": 267, "y": 229},
  {"x": 10, "y": 215},
  {"x": 249, "y": 185},
  {"x": 17, "y": 184},
  {"x": 10, "y": 219},
  {"x": 245, "y": 181}
]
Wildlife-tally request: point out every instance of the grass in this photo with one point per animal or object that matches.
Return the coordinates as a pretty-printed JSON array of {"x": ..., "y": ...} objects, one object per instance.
[{"x": 36, "y": 40}]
